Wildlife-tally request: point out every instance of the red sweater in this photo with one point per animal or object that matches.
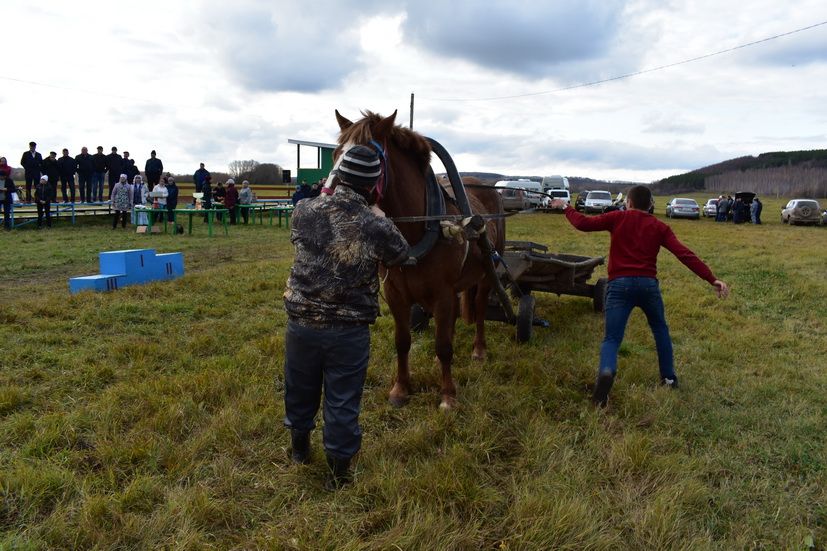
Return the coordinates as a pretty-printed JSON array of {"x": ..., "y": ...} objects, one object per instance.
[{"x": 637, "y": 237}]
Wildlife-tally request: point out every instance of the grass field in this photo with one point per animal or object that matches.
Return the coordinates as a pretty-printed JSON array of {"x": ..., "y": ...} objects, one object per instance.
[{"x": 151, "y": 417}]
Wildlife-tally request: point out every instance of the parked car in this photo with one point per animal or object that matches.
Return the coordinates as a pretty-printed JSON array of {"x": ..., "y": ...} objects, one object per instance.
[
  {"x": 801, "y": 211},
  {"x": 680, "y": 207},
  {"x": 562, "y": 194},
  {"x": 514, "y": 199},
  {"x": 711, "y": 208},
  {"x": 580, "y": 202},
  {"x": 597, "y": 201},
  {"x": 533, "y": 191}
]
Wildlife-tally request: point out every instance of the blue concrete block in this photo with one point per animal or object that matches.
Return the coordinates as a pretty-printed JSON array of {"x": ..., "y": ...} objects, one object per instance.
[
  {"x": 169, "y": 265},
  {"x": 101, "y": 282},
  {"x": 137, "y": 264}
]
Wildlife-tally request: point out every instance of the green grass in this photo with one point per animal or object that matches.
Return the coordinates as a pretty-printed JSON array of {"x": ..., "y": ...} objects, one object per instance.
[{"x": 151, "y": 417}]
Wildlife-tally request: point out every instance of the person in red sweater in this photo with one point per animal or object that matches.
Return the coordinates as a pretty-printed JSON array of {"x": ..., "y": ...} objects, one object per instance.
[{"x": 637, "y": 237}]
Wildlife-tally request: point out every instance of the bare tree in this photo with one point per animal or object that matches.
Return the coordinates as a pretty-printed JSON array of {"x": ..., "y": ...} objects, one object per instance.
[{"x": 239, "y": 168}]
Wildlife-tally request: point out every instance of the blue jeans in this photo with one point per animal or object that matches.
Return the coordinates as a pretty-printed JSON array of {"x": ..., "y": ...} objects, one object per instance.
[
  {"x": 333, "y": 358},
  {"x": 95, "y": 193},
  {"x": 622, "y": 295}
]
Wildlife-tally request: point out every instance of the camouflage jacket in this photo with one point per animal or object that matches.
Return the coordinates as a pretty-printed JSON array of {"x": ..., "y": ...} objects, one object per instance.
[{"x": 339, "y": 244}]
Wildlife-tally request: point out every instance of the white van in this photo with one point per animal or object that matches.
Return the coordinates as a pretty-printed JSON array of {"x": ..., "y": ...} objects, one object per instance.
[
  {"x": 555, "y": 182},
  {"x": 533, "y": 194},
  {"x": 563, "y": 194}
]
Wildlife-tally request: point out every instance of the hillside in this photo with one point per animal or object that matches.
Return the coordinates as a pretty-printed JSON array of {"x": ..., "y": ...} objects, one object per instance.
[{"x": 779, "y": 173}]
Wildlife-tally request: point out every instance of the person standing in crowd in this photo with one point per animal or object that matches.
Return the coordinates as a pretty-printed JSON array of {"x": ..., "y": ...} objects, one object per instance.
[
  {"x": 755, "y": 210},
  {"x": 153, "y": 169},
  {"x": 245, "y": 197},
  {"x": 231, "y": 199},
  {"x": 636, "y": 240},
  {"x": 199, "y": 177},
  {"x": 327, "y": 346},
  {"x": 172, "y": 197},
  {"x": 67, "y": 166},
  {"x": 31, "y": 161},
  {"x": 100, "y": 163},
  {"x": 218, "y": 196},
  {"x": 206, "y": 189},
  {"x": 138, "y": 198},
  {"x": 129, "y": 168},
  {"x": 114, "y": 164},
  {"x": 85, "y": 166},
  {"x": 43, "y": 198},
  {"x": 121, "y": 201},
  {"x": 51, "y": 169},
  {"x": 725, "y": 207},
  {"x": 737, "y": 211},
  {"x": 161, "y": 194},
  {"x": 298, "y": 195},
  {"x": 6, "y": 189},
  {"x": 718, "y": 207}
]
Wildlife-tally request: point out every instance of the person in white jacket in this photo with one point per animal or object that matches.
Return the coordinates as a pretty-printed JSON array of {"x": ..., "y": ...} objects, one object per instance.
[{"x": 160, "y": 193}]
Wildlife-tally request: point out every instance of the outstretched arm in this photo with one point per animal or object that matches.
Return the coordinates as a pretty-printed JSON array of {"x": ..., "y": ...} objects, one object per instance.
[{"x": 691, "y": 261}]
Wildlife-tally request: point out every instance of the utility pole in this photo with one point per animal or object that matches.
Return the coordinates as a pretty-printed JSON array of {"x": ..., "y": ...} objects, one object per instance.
[{"x": 412, "y": 108}]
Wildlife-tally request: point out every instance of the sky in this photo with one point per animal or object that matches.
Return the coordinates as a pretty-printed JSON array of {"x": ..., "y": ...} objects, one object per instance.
[{"x": 497, "y": 82}]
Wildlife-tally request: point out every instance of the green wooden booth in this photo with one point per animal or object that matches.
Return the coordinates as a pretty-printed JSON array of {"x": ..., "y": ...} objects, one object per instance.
[{"x": 321, "y": 164}]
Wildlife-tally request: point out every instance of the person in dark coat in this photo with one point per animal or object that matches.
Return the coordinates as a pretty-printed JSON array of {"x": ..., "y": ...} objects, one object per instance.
[
  {"x": 172, "y": 197},
  {"x": 199, "y": 176},
  {"x": 206, "y": 189},
  {"x": 32, "y": 161},
  {"x": 43, "y": 198},
  {"x": 755, "y": 210},
  {"x": 85, "y": 165},
  {"x": 231, "y": 199},
  {"x": 218, "y": 195},
  {"x": 7, "y": 187},
  {"x": 100, "y": 163},
  {"x": 67, "y": 166},
  {"x": 114, "y": 164},
  {"x": 129, "y": 168},
  {"x": 153, "y": 169},
  {"x": 298, "y": 195},
  {"x": 52, "y": 170}
]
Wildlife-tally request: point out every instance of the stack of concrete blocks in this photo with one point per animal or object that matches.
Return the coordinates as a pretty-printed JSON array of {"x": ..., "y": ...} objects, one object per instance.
[{"x": 133, "y": 267}]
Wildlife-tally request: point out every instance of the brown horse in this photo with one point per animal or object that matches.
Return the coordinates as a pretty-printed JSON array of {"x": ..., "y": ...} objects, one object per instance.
[{"x": 450, "y": 268}]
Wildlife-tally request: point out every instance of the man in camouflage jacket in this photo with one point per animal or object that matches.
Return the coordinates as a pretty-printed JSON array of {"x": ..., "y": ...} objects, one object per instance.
[{"x": 331, "y": 299}]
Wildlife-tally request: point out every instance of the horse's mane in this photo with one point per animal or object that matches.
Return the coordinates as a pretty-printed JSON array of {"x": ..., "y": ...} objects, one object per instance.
[{"x": 400, "y": 139}]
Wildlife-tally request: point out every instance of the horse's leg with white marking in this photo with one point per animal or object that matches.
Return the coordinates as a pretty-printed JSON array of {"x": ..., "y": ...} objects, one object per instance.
[
  {"x": 445, "y": 316},
  {"x": 401, "y": 311}
]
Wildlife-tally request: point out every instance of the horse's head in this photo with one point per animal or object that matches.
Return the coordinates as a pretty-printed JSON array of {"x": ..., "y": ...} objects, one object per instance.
[{"x": 402, "y": 150}]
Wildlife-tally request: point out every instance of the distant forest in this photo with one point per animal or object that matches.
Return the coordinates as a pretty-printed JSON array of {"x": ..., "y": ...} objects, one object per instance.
[{"x": 779, "y": 173}]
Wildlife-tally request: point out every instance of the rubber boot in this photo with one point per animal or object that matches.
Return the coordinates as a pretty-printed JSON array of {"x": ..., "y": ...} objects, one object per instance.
[
  {"x": 605, "y": 379},
  {"x": 339, "y": 473},
  {"x": 300, "y": 442}
]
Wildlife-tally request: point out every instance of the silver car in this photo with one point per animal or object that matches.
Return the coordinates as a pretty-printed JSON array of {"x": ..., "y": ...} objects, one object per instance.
[
  {"x": 711, "y": 208},
  {"x": 680, "y": 207}
]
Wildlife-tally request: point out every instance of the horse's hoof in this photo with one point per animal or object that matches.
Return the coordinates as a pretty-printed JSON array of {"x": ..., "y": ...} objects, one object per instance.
[
  {"x": 448, "y": 403},
  {"x": 398, "y": 402}
]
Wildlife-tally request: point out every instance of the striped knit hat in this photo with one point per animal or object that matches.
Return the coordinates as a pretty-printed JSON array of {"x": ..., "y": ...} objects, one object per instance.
[{"x": 359, "y": 168}]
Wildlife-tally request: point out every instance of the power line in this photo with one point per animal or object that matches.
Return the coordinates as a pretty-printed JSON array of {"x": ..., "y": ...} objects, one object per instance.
[{"x": 636, "y": 73}]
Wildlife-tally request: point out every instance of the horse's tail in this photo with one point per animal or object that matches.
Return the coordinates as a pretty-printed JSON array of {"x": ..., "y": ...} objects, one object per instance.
[{"x": 468, "y": 301}]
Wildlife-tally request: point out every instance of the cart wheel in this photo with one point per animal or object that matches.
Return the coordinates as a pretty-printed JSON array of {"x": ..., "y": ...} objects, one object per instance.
[
  {"x": 419, "y": 318},
  {"x": 599, "y": 297},
  {"x": 525, "y": 318}
]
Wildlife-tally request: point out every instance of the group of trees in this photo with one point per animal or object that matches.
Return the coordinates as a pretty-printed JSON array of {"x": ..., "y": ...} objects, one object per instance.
[
  {"x": 804, "y": 181},
  {"x": 257, "y": 173}
]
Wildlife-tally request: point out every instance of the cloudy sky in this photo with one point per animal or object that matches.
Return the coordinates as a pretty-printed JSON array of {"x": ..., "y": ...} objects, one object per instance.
[{"x": 495, "y": 81}]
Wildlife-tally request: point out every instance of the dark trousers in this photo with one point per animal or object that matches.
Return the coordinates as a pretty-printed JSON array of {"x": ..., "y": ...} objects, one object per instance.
[
  {"x": 70, "y": 182},
  {"x": 96, "y": 191},
  {"x": 336, "y": 360},
  {"x": 232, "y": 215},
  {"x": 245, "y": 213},
  {"x": 113, "y": 179},
  {"x": 85, "y": 186},
  {"x": 123, "y": 215},
  {"x": 152, "y": 179},
  {"x": 7, "y": 213},
  {"x": 44, "y": 208},
  {"x": 32, "y": 178}
]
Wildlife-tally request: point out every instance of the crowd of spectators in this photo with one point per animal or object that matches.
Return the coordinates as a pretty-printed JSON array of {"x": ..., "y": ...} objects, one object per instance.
[{"x": 737, "y": 210}]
